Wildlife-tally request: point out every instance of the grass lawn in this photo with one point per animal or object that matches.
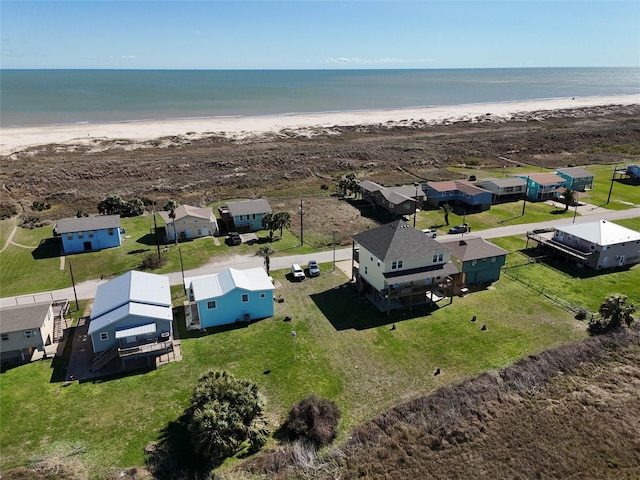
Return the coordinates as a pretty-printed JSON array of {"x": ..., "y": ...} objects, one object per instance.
[{"x": 344, "y": 349}]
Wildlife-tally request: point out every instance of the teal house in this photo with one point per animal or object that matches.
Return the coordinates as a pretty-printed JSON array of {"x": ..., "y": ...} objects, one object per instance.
[
  {"x": 577, "y": 178},
  {"x": 231, "y": 296},
  {"x": 479, "y": 261},
  {"x": 543, "y": 186}
]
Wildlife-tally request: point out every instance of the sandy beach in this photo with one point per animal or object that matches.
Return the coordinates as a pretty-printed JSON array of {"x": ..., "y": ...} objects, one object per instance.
[{"x": 17, "y": 139}]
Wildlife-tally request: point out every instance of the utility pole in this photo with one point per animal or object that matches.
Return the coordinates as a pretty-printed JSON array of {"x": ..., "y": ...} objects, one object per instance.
[
  {"x": 301, "y": 223},
  {"x": 73, "y": 282},
  {"x": 611, "y": 187},
  {"x": 526, "y": 191},
  {"x": 184, "y": 287},
  {"x": 415, "y": 213},
  {"x": 334, "y": 251},
  {"x": 155, "y": 228}
]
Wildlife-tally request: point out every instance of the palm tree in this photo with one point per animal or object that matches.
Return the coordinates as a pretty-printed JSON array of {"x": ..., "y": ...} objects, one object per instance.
[
  {"x": 283, "y": 220},
  {"x": 616, "y": 310},
  {"x": 265, "y": 252},
  {"x": 569, "y": 197},
  {"x": 446, "y": 209},
  {"x": 171, "y": 208},
  {"x": 269, "y": 223}
]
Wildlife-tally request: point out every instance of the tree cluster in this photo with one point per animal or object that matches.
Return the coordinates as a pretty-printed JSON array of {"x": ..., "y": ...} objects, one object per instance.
[
  {"x": 115, "y": 205},
  {"x": 276, "y": 221},
  {"x": 313, "y": 419},
  {"x": 348, "y": 184},
  {"x": 615, "y": 312}
]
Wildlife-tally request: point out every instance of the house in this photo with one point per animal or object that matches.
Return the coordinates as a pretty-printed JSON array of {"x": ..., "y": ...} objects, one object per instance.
[
  {"x": 87, "y": 234},
  {"x": 244, "y": 216},
  {"x": 633, "y": 171},
  {"x": 402, "y": 200},
  {"x": 577, "y": 178},
  {"x": 228, "y": 297},
  {"x": 504, "y": 189},
  {"x": 190, "y": 222},
  {"x": 399, "y": 266},
  {"x": 543, "y": 186},
  {"x": 458, "y": 193},
  {"x": 479, "y": 261},
  {"x": 25, "y": 329},
  {"x": 131, "y": 317},
  {"x": 597, "y": 245}
]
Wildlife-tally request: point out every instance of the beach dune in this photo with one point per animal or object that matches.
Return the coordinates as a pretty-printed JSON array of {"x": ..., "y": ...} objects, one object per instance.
[{"x": 16, "y": 139}]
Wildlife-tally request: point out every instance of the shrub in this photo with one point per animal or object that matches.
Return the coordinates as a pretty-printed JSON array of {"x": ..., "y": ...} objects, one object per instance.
[
  {"x": 40, "y": 206},
  {"x": 152, "y": 261},
  {"x": 313, "y": 419},
  {"x": 7, "y": 210}
]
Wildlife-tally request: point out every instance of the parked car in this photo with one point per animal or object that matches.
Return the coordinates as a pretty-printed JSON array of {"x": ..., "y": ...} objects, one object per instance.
[
  {"x": 432, "y": 232},
  {"x": 234, "y": 238},
  {"x": 296, "y": 272},
  {"x": 459, "y": 228},
  {"x": 314, "y": 269}
]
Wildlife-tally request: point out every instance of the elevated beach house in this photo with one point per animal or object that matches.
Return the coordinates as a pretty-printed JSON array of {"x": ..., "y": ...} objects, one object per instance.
[
  {"x": 577, "y": 178},
  {"x": 461, "y": 193},
  {"x": 479, "y": 261},
  {"x": 597, "y": 245},
  {"x": 190, "y": 222},
  {"x": 543, "y": 186},
  {"x": 87, "y": 234},
  {"x": 396, "y": 265},
  {"x": 131, "y": 317},
  {"x": 25, "y": 329},
  {"x": 401, "y": 200},
  {"x": 244, "y": 216},
  {"x": 230, "y": 296},
  {"x": 633, "y": 171},
  {"x": 504, "y": 189}
]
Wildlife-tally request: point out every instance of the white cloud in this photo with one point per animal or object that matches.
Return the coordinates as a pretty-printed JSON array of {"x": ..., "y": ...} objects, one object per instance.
[
  {"x": 377, "y": 61},
  {"x": 128, "y": 57}
]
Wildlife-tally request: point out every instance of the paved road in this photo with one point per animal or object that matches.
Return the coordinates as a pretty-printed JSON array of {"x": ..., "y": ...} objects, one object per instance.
[{"x": 87, "y": 289}]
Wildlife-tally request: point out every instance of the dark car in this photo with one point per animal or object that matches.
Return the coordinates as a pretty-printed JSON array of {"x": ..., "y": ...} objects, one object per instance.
[
  {"x": 234, "y": 238},
  {"x": 459, "y": 229},
  {"x": 314, "y": 269}
]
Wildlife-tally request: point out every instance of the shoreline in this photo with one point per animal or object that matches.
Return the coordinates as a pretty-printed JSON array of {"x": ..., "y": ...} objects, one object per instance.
[{"x": 15, "y": 139}]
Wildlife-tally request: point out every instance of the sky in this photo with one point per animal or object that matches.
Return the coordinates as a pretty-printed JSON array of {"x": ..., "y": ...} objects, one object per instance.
[{"x": 318, "y": 34}]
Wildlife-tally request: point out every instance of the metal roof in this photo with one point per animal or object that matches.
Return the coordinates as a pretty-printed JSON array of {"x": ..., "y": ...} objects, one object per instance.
[
  {"x": 134, "y": 331},
  {"x": 84, "y": 224},
  {"x": 601, "y": 232},
  {"x": 139, "y": 310},
  {"x": 23, "y": 317},
  {"x": 397, "y": 240},
  {"x": 219, "y": 284}
]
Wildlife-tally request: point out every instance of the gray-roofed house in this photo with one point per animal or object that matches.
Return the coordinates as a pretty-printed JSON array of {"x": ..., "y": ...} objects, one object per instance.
[
  {"x": 25, "y": 329},
  {"x": 504, "y": 189},
  {"x": 479, "y": 261},
  {"x": 597, "y": 245},
  {"x": 86, "y": 234},
  {"x": 577, "y": 178},
  {"x": 399, "y": 200},
  {"x": 543, "y": 186},
  {"x": 131, "y": 317},
  {"x": 190, "y": 222},
  {"x": 246, "y": 215},
  {"x": 399, "y": 266}
]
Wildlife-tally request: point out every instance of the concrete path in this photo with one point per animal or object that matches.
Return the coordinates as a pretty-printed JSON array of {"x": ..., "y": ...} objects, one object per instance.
[{"x": 87, "y": 289}]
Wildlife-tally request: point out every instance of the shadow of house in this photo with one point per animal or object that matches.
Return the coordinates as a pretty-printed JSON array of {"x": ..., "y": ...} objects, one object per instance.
[
  {"x": 151, "y": 239},
  {"x": 346, "y": 309},
  {"x": 47, "y": 248}
]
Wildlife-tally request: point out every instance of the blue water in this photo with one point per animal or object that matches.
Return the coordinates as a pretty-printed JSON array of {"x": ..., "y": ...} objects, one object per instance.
[{"x": 50, "y": 97}]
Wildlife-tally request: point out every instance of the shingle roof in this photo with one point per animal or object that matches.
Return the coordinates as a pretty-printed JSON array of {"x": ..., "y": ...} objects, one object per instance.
[
  {"x": 248, "y": 207},
  {"x": 84, "y": 224},
  {"x": 545, "y": 178},
  {"x": 473, "y": 248},
  {"x": 398, "y": 240},
  {"x": 416, "y": 274},
  {"x": 505, "y": 182},
  {"x": 23, "y": 317},
  {"x": 370, "y": 186},
  {"x": 188, "y": 211},
  {"x": 576, "y": 172},
  {"x": 451, "y": 185}
]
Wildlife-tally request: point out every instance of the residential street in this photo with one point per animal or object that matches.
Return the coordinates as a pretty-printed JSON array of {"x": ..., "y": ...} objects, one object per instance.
[{"x": 87, "y": 289}]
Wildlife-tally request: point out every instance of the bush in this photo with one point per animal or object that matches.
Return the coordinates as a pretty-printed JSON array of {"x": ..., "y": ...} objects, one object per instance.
[
  {"x": 152, "y": 261},
  {"x": 313, "y": 419},
  {"x": 7, "y": 210}
]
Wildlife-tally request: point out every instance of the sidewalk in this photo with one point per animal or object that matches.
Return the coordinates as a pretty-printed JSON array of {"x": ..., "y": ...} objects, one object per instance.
[{"x": 87, "y": 289}]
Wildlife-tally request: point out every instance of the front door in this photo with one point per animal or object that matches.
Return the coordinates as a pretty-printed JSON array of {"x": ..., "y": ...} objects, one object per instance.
[
  {"x": 621, "y": 261},
  {"x": 87, "y": 246}
]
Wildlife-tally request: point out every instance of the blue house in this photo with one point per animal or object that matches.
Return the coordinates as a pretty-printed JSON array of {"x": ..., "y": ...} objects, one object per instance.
[
  {"x": 228, "y": 297},
  {"x": 458, "y": 192},
  {"x": 633, "y": 171},
  {"x": 577, "y": 178},
  {"x": 479, "y": 261},
  {"x": 87, "y": 234},
  {"x": 245, "y": 216},
  {"x": 543, "y": 186},
  {"x": 132, "y": 316}
]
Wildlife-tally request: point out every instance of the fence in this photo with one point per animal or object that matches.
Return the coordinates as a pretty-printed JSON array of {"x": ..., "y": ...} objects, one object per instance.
[{"x": 547, "y": 292}]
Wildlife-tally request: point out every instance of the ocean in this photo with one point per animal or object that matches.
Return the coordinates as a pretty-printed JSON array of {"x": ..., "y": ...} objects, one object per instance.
[{"x": 58, "y": 97}]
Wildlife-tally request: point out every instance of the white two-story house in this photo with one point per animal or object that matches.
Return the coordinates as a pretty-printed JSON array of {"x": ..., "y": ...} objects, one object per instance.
[{"x": 396, "y": 265}]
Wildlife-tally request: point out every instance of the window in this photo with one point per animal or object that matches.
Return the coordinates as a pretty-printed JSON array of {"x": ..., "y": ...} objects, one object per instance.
[
  {"x": 493, "y": 259},
  {"x": 70, "y": 236},
  {"x": 365, "y": 270},
  {"x": 28, "y": 333},
  {"x": 80, "y": 234},
  {"x": 91, "y": 233},
  {"x": 474, "y": 263},
  {"x": 104, "y": 336},
  {"x": 438, "y": 258},
  {"x": 378, "y": 262},
  {"x": 241, "y": 217},
  {"x": 211, "y": 305},
  {"x": 245, "y": 297},
  {"x": 195, "y": 220},
  {"x": 253, "y": 216},
  {"x": 5, "y": 336},
  {"x": 263, "y": 295},
  {"x": 371, "y": 258},
  {"x": 435, "y": 258},
  {"x": 396, "y": 264},
  {"x": 110, "y": 231}
]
